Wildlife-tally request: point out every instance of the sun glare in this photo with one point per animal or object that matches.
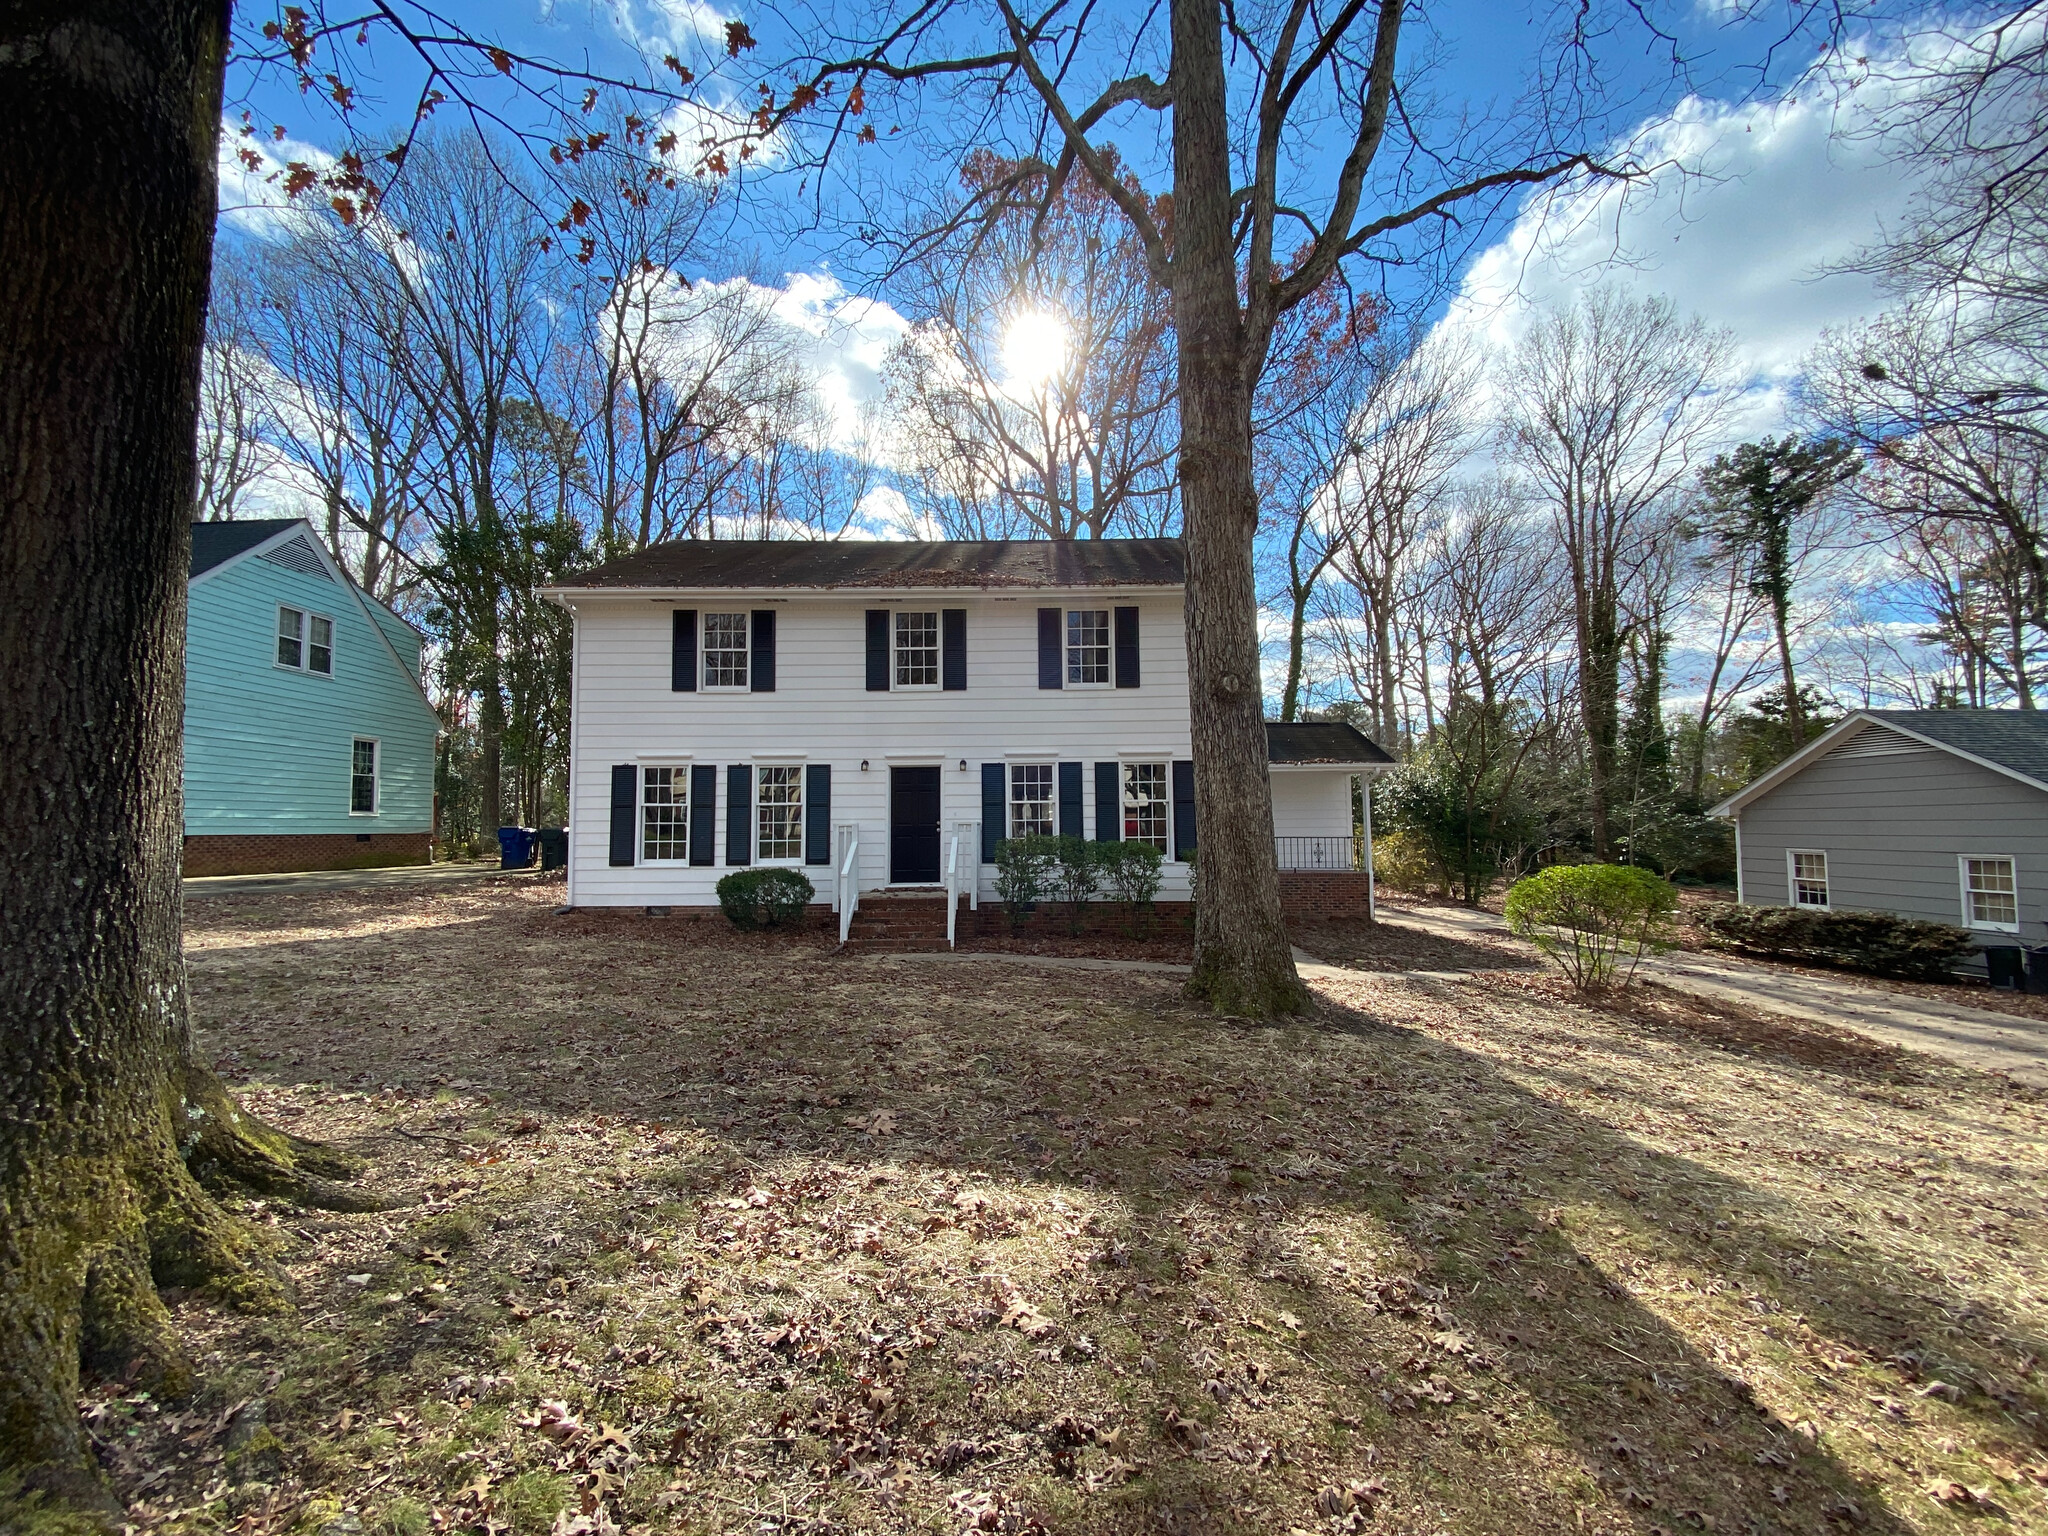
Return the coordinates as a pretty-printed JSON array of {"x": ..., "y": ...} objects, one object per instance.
[{"x": 1034, "y": 349}]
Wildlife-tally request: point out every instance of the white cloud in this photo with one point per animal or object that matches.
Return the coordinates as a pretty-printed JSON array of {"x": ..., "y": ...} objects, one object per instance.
[
  {"x": 252, "y": 197},
  {"x": 883, "y": 513},
  {"x": 848, "y": 339}
]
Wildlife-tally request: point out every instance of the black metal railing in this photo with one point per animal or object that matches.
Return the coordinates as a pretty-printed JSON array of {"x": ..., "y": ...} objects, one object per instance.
[{"x": 1320, "y": 852}]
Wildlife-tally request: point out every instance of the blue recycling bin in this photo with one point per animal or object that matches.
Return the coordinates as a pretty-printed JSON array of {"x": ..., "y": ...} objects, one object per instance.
[{"x": 515, "y": 847}]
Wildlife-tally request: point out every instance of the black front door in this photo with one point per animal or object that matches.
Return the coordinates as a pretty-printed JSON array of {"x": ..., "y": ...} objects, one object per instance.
[{"x": 914, "y": 826}]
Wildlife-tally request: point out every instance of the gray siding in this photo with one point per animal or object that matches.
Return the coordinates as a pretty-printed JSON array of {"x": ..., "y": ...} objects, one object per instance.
[{"x": 1893, "y": 827}]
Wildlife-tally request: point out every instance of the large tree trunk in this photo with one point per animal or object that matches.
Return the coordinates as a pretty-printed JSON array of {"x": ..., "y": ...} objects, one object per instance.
[
  {"x": 1243, "y": 963},
  {"x": 108, "y": 120}
]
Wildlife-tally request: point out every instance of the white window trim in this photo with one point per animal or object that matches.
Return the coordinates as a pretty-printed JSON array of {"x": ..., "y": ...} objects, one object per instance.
[
  {"x": 704, "y": 652},
  {"x": 640, "y": 767},
  {"x": 376, "y": 774},
  {"x": 1164, "y": 762},
  {"x": 803, "y": 808},
  {"x": 306, "y": 618},
  {"x": 1792, "y": 880},
  {"x": 1109, "y": 648},
  {"x": 1010, "y": 800},
  {"x": 1963, "y": 880},
  {"x": 938, "y": 654}
]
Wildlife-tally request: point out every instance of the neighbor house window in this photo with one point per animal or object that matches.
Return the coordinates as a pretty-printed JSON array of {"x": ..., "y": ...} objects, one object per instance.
[
  {"x": 917, "y": 650},
  {"x": 1088, "y": 645},
  {"x": 1991, "y": 894},
  {"x": 1145, "y": 804},
  {"x": 780, "y": 795},
  {"x": 664, "y": 814},
  {"x": 1031, "y": 799},
  {"x": 725, "y": 650},
  {"x": 362, "y": 778},
  {"x": 1809, "y": 879},
  {"x": 305, "y": 641}
]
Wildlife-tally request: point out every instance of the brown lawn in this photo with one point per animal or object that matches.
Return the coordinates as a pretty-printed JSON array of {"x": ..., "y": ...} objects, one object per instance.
[{"x": 704, "y": 1234}]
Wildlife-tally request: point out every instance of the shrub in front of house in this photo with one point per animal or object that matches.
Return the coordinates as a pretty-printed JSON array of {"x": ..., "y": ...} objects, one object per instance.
[
  {"x": 1877, "y": 942},
  {"x": 765, "y": 898},
  {"x": 1131, "y": 873},
  {"x": 1075, "y": 875},
  {"x": 1024, "y": 874},
  {"x": 1597, "y": 921}
]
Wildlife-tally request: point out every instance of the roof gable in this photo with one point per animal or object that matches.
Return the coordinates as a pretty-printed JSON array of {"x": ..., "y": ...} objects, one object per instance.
[
  {"x": 217, "y": 543},
  {"x": 2012, "y": 742},
  {"x": 1322, "y": 741},
  {"x": 691, "y": 564}
]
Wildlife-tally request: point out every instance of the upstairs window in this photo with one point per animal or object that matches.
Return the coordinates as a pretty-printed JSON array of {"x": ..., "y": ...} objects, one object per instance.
[
  {"x": 362, "y": 778},
  {"x": 1087, "y": 646},
  {"x": 917, "y": 650},
  {"x": 779, "y": 795},
  {"x": 725, "y": 650},
  {"x": 1145, "y": 804},
  {"x": 1809, "y": 880},
  {"x": 305, "y": 641},
  {"x": 1991, "y": 894},
  {"x": 1031, "y": 800},
  {"x": 664, "y": 815}
]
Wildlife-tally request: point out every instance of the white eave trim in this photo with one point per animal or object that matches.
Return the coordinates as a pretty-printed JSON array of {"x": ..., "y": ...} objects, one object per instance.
[
  {"x": 1333, "y": 767},
  {"x": 569, "y": 596},
  {"x": 1799, "y": 760}
]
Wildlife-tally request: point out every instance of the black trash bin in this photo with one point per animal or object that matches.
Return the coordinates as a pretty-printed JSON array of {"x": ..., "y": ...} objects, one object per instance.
[
  {"x": 2006, "y": 965},
  {"x": 2037, "y": 969},
  {"x": 554, "y": 847},
  {"x": 515, "y": 847}
]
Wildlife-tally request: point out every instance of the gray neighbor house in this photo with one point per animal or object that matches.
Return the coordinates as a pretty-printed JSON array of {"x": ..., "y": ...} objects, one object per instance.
[{"x": 1930, "y": 813}]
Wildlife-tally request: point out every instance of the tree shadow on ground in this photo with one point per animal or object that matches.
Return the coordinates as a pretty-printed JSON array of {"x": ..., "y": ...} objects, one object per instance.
[{"x": 1349, "y": 1255}]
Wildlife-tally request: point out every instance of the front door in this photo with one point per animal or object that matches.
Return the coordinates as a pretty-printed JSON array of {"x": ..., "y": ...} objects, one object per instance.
[{"x": 914, "y": 826}]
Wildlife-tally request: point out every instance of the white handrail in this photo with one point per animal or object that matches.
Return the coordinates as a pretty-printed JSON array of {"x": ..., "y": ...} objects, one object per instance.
[
  {"x": 849, "y": 883},
  {"x": 952, "y": 886}
]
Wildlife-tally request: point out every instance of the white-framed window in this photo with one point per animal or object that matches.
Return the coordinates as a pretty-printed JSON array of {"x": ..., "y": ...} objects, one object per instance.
[
  {"x": 1146, "y": 806},
  {"x": 1031, "y": 799},
  {"x": 779, "y": 812},
  {"x": 362, "y": 776},
  {"x": 917, "y": 650},
  {"x": 305, "y": 641},
  {"x": 1087, "y": 646},
  {"x": 664, "y": 815},
  {"x": 725, "y": 650},
  {"x": 1991, "y": 892},
  {"x": 1807, "y": 870}
]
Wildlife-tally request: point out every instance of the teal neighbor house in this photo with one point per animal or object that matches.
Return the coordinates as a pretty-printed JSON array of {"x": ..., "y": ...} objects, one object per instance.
[{"x": 309, "y": 740}]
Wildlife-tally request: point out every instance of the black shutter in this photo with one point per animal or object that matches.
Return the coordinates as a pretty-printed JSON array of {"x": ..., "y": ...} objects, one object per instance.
[
  {"x": 1049, "y": 668},
  {"x": 953, "y": 650},
  {"x": 995, "y": 802},
  {"x": 1108, "y": 804},
  {"x": 625, "y": 801},
  {"x": 703, "y": 814},
  {"x": 818, "y": 814},
  {"x": 878, "y": 650},
  {"x": 1070, "y": 800},
  {"x": 763, "y": 650},
  {"x": 1127, "y": 647},
  {"x": 682, "y": 665},
  {"x": 1183, "y": 809},
  {"x": 739, "y": 814}
]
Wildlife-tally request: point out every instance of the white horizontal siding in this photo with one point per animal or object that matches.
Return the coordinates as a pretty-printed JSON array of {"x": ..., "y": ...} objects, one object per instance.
[{"x": 1312, "y": 802}]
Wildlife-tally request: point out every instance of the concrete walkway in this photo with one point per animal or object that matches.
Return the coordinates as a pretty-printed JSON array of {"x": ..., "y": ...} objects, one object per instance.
[
  {"x": 347, "y": 879},
  {"x": 1976, "y": 1037}
]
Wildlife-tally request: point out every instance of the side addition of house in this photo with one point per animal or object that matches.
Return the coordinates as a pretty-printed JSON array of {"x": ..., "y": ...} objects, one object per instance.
[
  {"x": 884, "y": 714},
  {"x": 1939, "y": 814},
  {"x": 309, "y": 741}
]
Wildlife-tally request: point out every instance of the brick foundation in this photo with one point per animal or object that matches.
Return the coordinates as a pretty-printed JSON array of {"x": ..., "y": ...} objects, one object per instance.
[
  {"x": 288, "y": 854},
  {"x": 1325, "y": 893},
  {"x": 1099, "y": 917}
]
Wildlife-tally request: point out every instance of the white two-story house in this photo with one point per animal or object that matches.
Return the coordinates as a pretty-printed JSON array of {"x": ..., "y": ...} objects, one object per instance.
[{"x": 882, "y": 714}]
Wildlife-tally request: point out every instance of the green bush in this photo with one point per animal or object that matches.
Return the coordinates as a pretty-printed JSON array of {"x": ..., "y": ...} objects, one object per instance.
[
  {"x": 1075, "y": 875},
  {"x": 764, "y": 898},
  {"x": 1877, "y": 942},
  {"x": 1024, "y": 872},
  {"x": 1131, "y": 872},
  {"x": 1593, "y": 918}
]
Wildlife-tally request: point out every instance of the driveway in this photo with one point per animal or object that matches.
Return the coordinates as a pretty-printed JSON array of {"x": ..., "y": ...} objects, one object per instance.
[
  {"x": 1977, "y": 1037},
  {"x": 346, "y": 879}
]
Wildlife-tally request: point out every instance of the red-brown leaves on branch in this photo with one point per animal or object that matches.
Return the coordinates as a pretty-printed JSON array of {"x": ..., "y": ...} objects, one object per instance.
[
  {"x": 802, "y": 98},
  {"x": 590, "y": 98},
  {"x": 682, "y": 73},
  {"x": 299, "y": 178},
  {"x": 344, "y": 95},
  {"x": 249, "y": 158},
  {"x": 867, "y": 134},
  {"x": 501, "y": 60},
  {"x": 294, "y": 32},
  {"x": 737, "y": 37},
  {"x": 344, "y": 209},
  {"x": 857, "y": 100},
  {"x": 666, "y": 144},
  {"x": 578, "y": 214}
]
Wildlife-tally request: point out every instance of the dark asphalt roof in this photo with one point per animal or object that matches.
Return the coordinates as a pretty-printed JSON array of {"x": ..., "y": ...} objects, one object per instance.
[
  {"x": 214, "y": 543},
  {"x": 2012, "y": 738},
  {"x": 1320, "y": 741},
  {"x": 757, "y": 563}
]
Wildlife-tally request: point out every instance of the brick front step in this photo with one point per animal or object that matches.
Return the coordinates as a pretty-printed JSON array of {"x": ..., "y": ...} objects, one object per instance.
[{"x": 898, "y": 923}]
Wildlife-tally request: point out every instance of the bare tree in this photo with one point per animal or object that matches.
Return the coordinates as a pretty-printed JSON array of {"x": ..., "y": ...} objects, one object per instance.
[
  {"x": 1606, "y": 407},
  {"x": 234, "y": 425}
]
